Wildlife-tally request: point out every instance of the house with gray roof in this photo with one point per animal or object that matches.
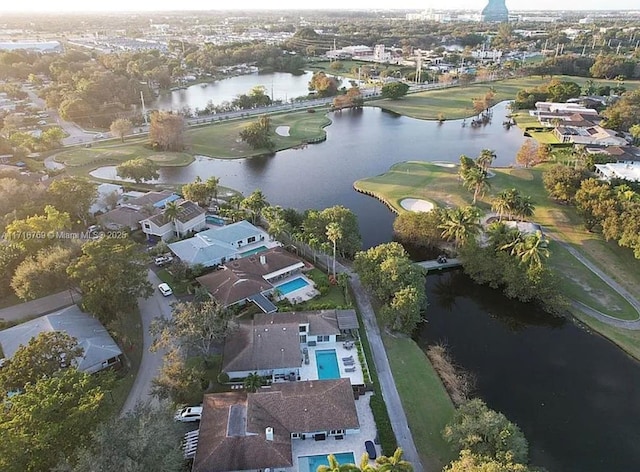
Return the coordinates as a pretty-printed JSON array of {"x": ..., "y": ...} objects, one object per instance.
[
  {"x": 100, "y": 350},
  {"x": 216, "y": 246},
  {"x": 132, "y": 210},
  {"x": 256, "y": 431}
]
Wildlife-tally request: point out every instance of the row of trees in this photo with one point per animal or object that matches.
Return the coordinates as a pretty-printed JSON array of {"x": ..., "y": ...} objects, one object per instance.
[
  {"x": 555, "y": 91},
  {"x": 396, "y": 282}
]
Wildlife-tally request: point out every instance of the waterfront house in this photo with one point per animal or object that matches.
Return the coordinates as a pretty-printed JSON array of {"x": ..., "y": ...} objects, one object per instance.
[{"x": 132, "y": 210}]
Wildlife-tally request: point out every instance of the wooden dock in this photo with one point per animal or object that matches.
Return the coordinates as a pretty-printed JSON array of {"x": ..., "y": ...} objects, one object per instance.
[{"x": 435, "y": 265}]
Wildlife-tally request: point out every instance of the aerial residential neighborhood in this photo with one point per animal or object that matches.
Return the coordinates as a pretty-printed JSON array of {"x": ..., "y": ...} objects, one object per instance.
[{"x": 295, "y": 238}]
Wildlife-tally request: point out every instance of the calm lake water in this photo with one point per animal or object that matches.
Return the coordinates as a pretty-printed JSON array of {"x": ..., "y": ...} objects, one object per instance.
[
  {"x": 279, "y": 85},
  {"x": 575, "y": 395},
  {"x": 360, "y": 144}
]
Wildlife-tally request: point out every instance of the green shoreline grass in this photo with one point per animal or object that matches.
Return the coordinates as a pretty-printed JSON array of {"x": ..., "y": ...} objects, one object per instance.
[
  {"x": 457, "y": 102},
  {"x": 425, "y": 401},
  {"x": 441, "y": 185}
]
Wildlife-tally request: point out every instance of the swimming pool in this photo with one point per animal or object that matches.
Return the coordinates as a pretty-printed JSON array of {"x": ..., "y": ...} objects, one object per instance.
[
  {"x": 253, "y": 251},
  {"x": 214, "y": 220},
  {"x": 311, "y": 463},
  {"x": 327, "y": 364},
  {"x": 292, "y": 285}
]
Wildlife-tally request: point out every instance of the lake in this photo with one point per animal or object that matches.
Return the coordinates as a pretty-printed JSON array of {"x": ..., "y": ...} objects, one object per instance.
[
  {"x": 360, "y": 143},
  {"x": 575, "y": 395},
  {"x": 279, "y": 85}
]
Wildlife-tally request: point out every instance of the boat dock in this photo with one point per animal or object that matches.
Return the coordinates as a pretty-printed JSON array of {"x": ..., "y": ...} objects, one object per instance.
[{"x": 435, "y": 265}]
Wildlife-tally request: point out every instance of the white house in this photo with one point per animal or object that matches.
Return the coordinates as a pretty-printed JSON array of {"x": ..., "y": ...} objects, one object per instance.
[
  {"x": 629, "y": 171},
  {"x": 591, "y": 135},
  {"x": 190, "y": 218}
]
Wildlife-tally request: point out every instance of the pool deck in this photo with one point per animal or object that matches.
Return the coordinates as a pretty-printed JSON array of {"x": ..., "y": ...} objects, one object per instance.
[
  {"x": 351, "y": 443},
  {"x": 302, "y": 294},
  {"x": 310, "y": 372}
]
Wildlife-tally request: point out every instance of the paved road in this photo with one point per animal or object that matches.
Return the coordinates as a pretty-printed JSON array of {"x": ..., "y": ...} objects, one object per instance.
[
  {"x": 154, "y": 306},
  {"x": 387, "y": 384},
  {"x": 40, "y": 306}
]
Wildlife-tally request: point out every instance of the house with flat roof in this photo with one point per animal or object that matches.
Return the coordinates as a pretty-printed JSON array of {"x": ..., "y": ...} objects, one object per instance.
[
  {"x": 591, "y": 135},
  {"x": 256, "y": 431},
  {"x": 622, "y": 171},
  {"x": 100, "y": 350},
  {"x": 251, "y": 278},
  {"x": 190, "y": 218},
  {"x": 216, "y": 246},
  {"x": 548, "y": 112},
  {"x": 621, "y": 154}
]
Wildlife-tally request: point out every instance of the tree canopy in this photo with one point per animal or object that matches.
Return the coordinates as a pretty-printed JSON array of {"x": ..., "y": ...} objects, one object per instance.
[
  {"x": 315, "y": 225},
  {"x": 112, "y": 274},
  {"x": 394, "y": 90},
  {"x": 139, "y": 169}
]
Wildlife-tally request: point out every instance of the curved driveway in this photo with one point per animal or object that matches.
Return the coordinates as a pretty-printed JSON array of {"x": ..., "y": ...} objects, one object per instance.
[{"x": 155, "y": 305}]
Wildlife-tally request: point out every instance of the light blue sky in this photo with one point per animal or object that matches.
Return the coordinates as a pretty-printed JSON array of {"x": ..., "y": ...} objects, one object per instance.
[{"x": 157, "y": 5}]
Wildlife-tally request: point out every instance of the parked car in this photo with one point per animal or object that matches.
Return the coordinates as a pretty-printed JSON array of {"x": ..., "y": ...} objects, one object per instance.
[
  {"x": 162, "y": 260},
  {"x": 188, "y": 414},
  {"x": 371, "y": 449},
  {"x": 165, "y": 290}
]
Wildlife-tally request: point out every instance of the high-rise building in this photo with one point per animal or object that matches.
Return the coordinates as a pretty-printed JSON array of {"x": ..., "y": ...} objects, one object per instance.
[{"x": 495, "y": 11}]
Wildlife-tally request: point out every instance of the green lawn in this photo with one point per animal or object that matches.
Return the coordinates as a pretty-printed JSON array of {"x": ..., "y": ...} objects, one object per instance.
[
  {"x": 544, "y": 137},
  {"x": 221, "y": 139},
  {"x": 424, "y": 399},
  {"x": 456, "y": 102},
  {"x": 441, "y": 185},
  {"x": 179, "y": 287},
  {"x": 112, "y": 153}
]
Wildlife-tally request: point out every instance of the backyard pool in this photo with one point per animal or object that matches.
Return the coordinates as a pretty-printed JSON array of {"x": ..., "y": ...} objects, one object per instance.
[
  {"x": 327, "y": 362},
  {"x": 253, "y": 251},
  {"x": 292, "y": 285},
  {"x": 311, "y": 463},
  {"x": 214, "y": 220}
]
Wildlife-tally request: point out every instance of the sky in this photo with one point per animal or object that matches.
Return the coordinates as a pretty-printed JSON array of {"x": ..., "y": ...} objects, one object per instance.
[{"x": 160, "y": 5}]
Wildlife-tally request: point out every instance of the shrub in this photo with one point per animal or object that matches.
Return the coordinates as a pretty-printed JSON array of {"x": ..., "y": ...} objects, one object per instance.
[
  {"x": 223, "y": 378},
  {"x": 383, "y": 424}
]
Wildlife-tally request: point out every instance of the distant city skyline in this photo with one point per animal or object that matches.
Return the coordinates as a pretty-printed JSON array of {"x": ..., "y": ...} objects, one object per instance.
[{"x": 167, "y": 5}]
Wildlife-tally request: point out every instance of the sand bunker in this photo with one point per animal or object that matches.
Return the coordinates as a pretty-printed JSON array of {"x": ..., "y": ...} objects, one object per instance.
[
  {"x": 282, "y": 130},
  {"x": 414, "y": 204},
  {"x": 443, "y": 164}
]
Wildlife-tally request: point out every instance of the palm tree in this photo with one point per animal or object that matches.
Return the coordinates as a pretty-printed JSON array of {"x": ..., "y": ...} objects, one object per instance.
[
  {"x": 252, "y": 382},
  {"x": 532, "y": 249},
  {"x": 524, "y": 207},
  {"x": 171, "y": 212},
  {"x": 334, "y": 233},
  {"x": 236, "y": 200},
  {"x": 475, "y": 179},
  {"x": 485, "y": 159},
  {"x": 460, "y": 225},
  {"x": 500, "y": 235},
  {"x": 394, "y": 463},
  {"x": 364, "y": 464},
  {"x": 335, "y": 466},
  {"x": 343, "y": 281},
  {"x": 500, "y": 204},
  {"x": 213, "y": 185},
  {"x": 277, "y": 226}
]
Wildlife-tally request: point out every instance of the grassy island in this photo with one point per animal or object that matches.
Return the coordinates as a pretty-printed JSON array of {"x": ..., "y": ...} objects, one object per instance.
[{"x": 442, "y": 186}]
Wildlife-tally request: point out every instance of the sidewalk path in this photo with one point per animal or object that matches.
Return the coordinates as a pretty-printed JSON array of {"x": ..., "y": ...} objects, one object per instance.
[
  {"x": 40, "y": 306},
  {"x": 387, "y": 384}
]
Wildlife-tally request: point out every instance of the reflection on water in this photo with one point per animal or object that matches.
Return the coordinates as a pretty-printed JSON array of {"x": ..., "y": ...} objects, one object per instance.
[
  {"x": 574, "y": 394},
  {"x": 360, "y": 144}
]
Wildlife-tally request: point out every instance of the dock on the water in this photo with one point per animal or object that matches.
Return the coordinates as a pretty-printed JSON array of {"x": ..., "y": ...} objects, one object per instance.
[{"x": 435, "y": 265}]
